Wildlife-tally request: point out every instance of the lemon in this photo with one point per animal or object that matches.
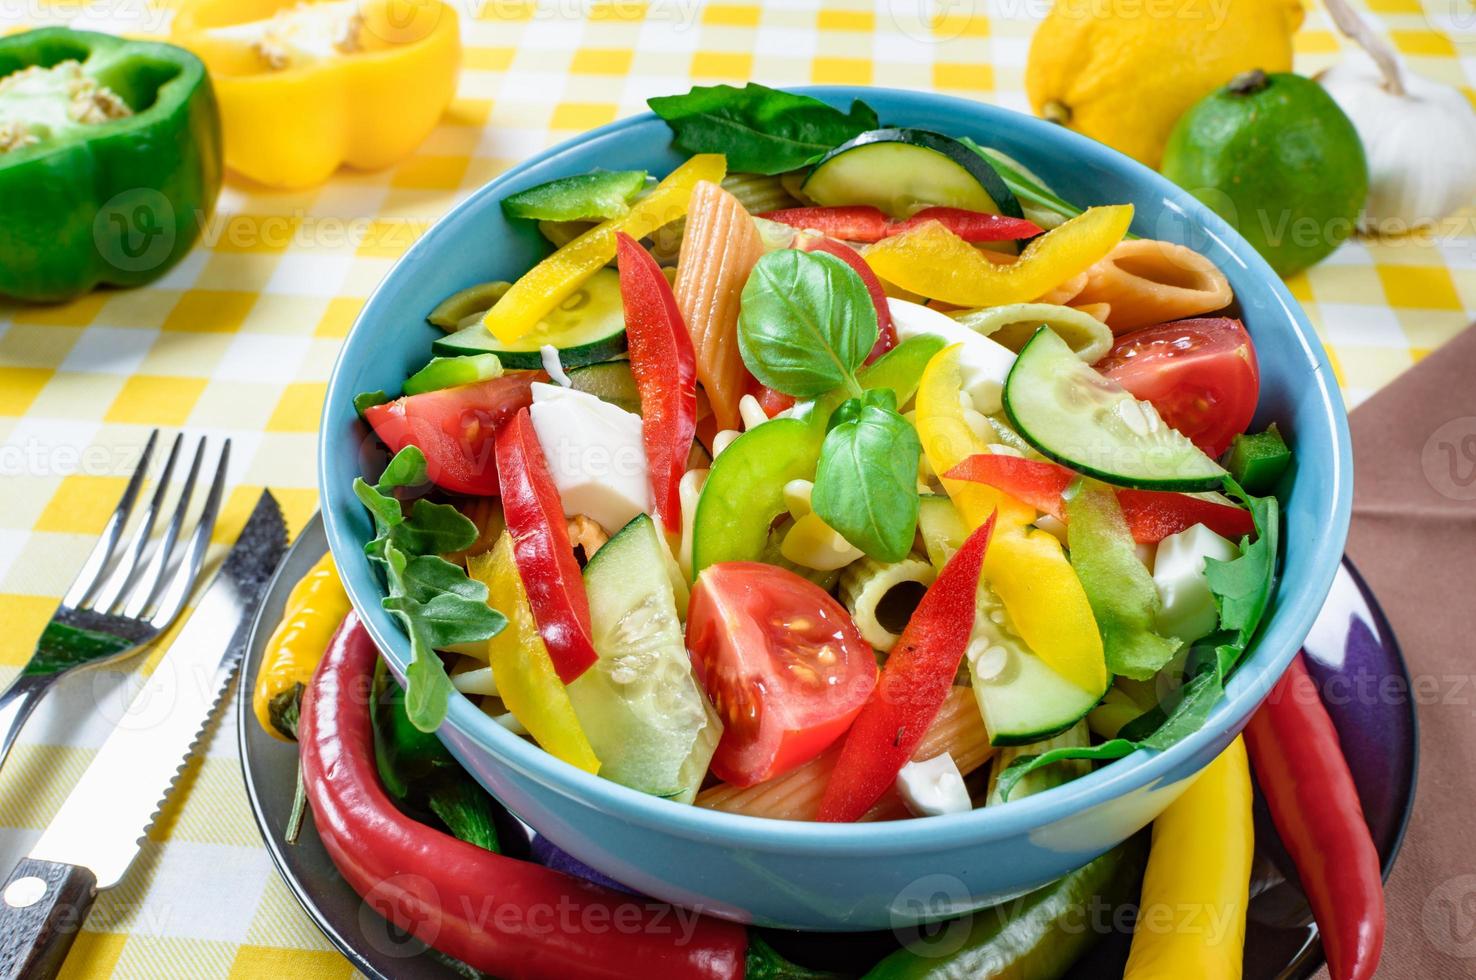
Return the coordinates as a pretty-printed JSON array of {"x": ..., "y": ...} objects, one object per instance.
[
  {"x": 1277, "y": 158},
  {"x": 1123, "y": 71}
]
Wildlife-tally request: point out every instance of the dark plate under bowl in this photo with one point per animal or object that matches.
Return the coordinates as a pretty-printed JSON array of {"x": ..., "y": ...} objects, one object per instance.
[{"x": 1351, "y": 652}]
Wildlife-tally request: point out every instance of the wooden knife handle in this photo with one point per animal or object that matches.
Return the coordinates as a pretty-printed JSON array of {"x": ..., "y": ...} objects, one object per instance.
[{"x": 42, "y": 907}]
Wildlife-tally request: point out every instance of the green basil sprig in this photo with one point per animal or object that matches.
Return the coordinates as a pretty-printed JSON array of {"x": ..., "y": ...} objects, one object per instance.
[
  {"x": 805, "y": 323},
  {"x": 866, "y": 482},
  {"x": 438, "y": 604},
  {"x": 760, "y": 130}
]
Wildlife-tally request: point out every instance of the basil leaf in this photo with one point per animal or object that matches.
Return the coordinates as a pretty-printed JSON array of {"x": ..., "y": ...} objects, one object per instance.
[
  {"x": 1119, "y": 589},
  {"x": 850, "y": 409},
  {"x": 866, "y": 482},
  {"x": 806, "y": 323},
  {"x": 760, "y": 130}
]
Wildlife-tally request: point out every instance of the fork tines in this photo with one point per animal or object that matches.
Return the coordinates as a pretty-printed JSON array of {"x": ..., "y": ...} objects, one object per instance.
[{"x": 145, "y": 579}]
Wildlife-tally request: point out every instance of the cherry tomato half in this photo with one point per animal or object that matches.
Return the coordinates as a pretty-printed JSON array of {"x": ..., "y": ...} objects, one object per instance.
[
  {"x": 1200, "y": 374},
  {"x": 454, "y": 427},
  {"x": 782, "y": 663}
]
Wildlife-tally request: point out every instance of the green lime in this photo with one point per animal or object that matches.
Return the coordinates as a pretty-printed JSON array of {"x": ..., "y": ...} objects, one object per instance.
[{"x": 1275, "y": 157}]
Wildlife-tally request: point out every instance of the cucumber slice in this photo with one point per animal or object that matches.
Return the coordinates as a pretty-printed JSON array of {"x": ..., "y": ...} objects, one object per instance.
[
  {"x": 902, "y": 171},
  {"x": 1022, "y": 700},
  {"x": 642, "y": 710},
  {"x": 942, "y": 530},
  {"x": 611, "y": 382},
  {"x": 587, "y": 328},
  {"x": 1077, "y": 417},
  {"x": 582, "y": 197}
]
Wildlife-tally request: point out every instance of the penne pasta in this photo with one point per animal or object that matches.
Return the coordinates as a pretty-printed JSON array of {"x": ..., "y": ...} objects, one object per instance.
[
  {"x": 1067, "y": 291},
  {"x": 719, "y": 249},
  {"x": 1013, "y": 325},
  {"x": 1147, "y": 281},
  {"x": 958, "y": 730}
]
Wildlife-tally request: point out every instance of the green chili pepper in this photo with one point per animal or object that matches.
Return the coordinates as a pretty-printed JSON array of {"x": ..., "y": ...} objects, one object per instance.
[
  {"x": 110, "y": 160},
  {"x": 420, "y": 773},
  {"x": 1040, "y": 935}
]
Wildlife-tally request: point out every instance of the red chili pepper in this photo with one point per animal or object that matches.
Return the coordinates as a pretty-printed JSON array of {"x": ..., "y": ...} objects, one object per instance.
[
  {"x": 1301, "y": 771},
  {"x": 507, "y": 917},
  {"x": 545, "y": 559},
  {"x": 917, "y": 677},
  {"x": 886, "y": 332},
  {"x": 1152, "y": 515},
  {"x": 665, "y": 369},
  {"x": 863, "y": 223}
]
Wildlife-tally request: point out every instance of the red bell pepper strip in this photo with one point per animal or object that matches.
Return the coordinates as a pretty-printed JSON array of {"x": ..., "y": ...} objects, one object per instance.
[
  {"x": 665, "y": 369},
  {"x": 1152, "y": 515},
  {"x": 863, "y": 223},
  {"x": 454, "y": 427},
  {"x": 545, "y": 559},
  {"x": 1301, "y": 771},
  {"x": 445, "y": 890},
  {"x": 886, "y": 332},
  {"x": 917, "y": 677}
]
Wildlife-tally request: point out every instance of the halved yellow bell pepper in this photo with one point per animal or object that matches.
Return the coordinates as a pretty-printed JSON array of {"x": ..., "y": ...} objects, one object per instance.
[
  {"x": 932, "y": 261},
  {"x": 555, "y": 279},
  {"x": 305, "y": 88},
  {"x": 524, "y": 672},
  {"x": 1025, "y": 566},
  {"x": 315, "y": 607},
  {"x": 1191, "y": 918}
]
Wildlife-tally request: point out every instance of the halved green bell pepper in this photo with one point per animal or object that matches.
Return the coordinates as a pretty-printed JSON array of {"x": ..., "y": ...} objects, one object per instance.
[{"x": 115, "y": 201}]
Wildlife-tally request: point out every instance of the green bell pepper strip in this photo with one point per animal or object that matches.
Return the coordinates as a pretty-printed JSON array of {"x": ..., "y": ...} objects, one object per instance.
[
  {"x": 1039, "y": 935},
  {"x": 1256, "y": 461},
  {"x": 115, "y": 202},
  {"x": 449, "y": 372},
  {"x": 419, "y": 772},
  {"x": 744, "y": 491}
]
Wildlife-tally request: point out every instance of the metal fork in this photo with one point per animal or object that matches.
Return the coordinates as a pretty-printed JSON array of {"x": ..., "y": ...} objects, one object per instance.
[{"x": 122, "y": 598}]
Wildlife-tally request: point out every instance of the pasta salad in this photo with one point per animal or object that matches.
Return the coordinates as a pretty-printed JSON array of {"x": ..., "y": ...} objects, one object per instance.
[{"x": 846, "y": 472}]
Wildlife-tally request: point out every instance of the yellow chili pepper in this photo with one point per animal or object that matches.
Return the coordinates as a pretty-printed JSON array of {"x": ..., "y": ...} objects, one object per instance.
[
  {"x": 932, "y": 261},
  {"x": 315, "y": 607},
  {"x": 1025, "y": 566},
  {"x": 555, "y": 279},
  {"x": 304, "y": 89},
  {"x": 1191, "y": 921},
  {"x": 524, "y": 672}
]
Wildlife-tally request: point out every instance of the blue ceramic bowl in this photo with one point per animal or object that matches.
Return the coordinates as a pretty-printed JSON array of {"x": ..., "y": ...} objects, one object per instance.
[{"x": 865, "y": 876}]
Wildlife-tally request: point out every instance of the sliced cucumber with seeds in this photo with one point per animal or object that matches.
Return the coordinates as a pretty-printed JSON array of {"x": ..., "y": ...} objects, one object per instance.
[
  {"x": 1074, "y": 415},
  {"x": 611, "y": 382},
  {"x": 587, "y": 328},
  {"x": 902, "y": 171},
  {"x": 640, "y": 705}
]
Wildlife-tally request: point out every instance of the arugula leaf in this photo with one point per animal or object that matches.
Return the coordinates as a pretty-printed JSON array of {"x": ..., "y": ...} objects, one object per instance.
[
  {"x": 435, "y": 601},
  {"x": 866, "y": 481},
  {"x": 368, "y": 399},
  {"x": 1118, "y": 587},
  {"x": 806, "y": 323},
  {"x": 1242, "y": 589},
  {"x": 760, "y": 130}
]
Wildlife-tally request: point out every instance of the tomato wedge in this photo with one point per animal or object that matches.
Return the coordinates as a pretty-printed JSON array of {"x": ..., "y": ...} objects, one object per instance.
[
  {"x": 1151, "y": 515},
  {"x": 782, "y": 663},
  {"x": 454, "y": 428},
  {"x": 1200, "y": 374},
  {"x": 541, "y": 549}
]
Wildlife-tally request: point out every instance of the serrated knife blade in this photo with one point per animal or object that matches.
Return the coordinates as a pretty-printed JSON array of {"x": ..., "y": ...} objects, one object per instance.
[{"x": 100, "y": 828}]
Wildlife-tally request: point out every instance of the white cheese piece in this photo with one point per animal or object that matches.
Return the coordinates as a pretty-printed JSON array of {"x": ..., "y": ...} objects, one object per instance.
[
  {"x": 933, "y": 787},
  {"x": 983, "y": 364},
  {"x": 1178, "y": 572},
  {"x": 594, "y": 453},
  {"x": 552, "y": 366}
]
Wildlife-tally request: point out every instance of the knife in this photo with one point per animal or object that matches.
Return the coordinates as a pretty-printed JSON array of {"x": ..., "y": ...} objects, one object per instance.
[{"x": 101, "y": 826}]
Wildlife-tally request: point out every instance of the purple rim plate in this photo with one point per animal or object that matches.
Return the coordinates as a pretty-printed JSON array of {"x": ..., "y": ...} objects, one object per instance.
[{"x": 1351, "y": 653}]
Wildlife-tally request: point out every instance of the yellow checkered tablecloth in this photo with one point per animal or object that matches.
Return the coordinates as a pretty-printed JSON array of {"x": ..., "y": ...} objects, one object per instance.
[{"x": 238, "y": 341}]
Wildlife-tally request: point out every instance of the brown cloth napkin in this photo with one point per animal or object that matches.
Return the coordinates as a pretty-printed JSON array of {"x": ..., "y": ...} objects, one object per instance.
[{"x": 1414, "y": 540}]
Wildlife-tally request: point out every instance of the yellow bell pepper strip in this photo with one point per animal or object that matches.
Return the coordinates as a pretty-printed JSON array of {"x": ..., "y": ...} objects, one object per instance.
[
  {"x": 1025, "y": 566},
  {"x": 315, "y": 607},
  {"x": 934, "y": 262},
  {"x": 1191, "y": 918},
  {"x": 550, "y": 282},
  {"x": 525, "y": 675},
  {"x": 305, "y": 88}
]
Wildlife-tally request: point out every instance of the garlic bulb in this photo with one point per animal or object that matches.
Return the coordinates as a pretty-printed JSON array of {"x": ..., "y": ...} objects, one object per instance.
[{"x": 1419, "y": 135}]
